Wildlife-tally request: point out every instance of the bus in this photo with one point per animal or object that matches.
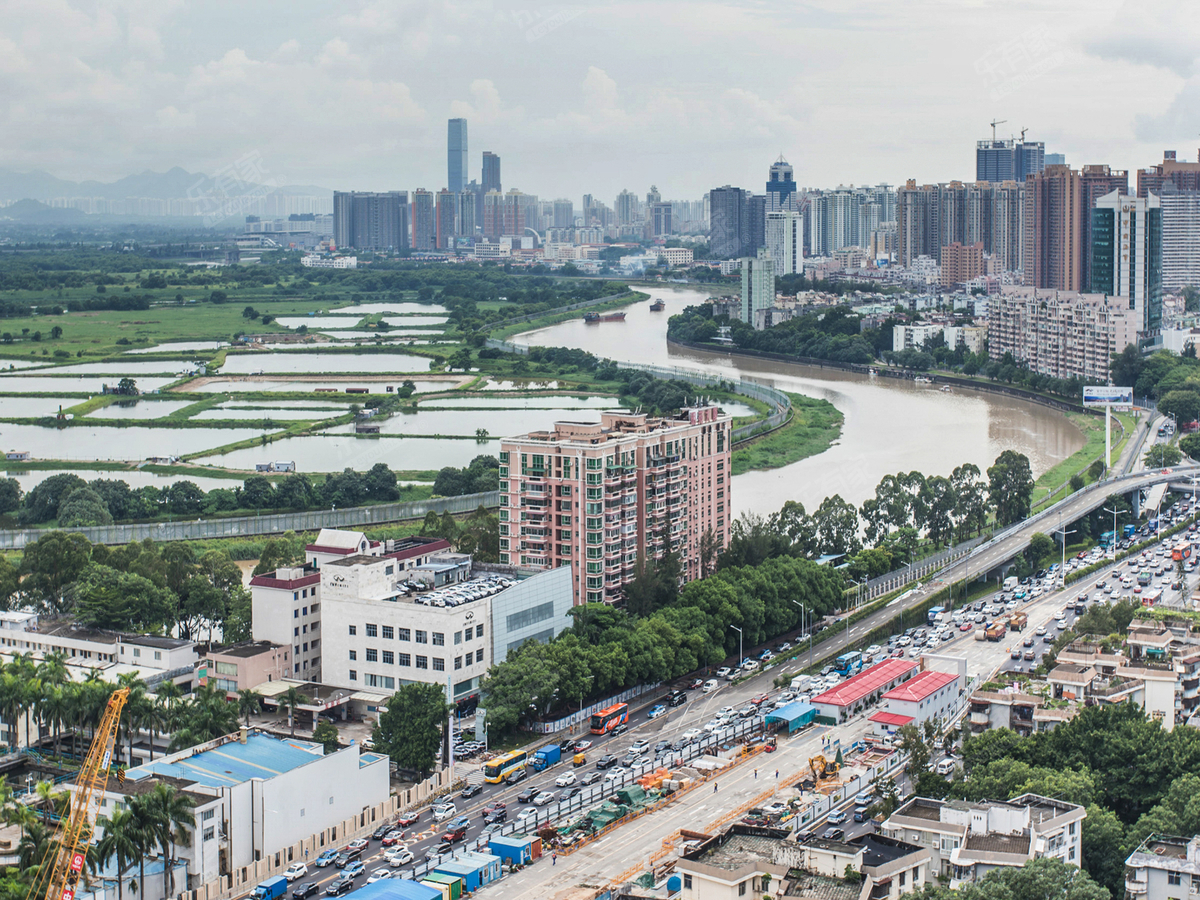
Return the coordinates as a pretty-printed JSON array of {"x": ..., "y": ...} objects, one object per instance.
[
  {"x": 607, "y": 719},
  {"x": 1108, "y": 539},
  {"x": 1183, "y": 551},
  {"x": 496, "y": 768},
  {"x": 849, "y": 663},
  {"x": 1152, "y": 598},
  {"x": 933, "y": 614}
]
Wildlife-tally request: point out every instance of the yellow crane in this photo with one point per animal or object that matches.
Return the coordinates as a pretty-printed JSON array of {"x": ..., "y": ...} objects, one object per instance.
[{"x": 62, "y": 868}]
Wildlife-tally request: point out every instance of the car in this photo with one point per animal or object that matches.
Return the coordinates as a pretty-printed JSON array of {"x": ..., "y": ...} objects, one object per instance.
[
  {"x": 514, "y": 776},
  {"x": 690, "y": 735},
  {"x": 339, "y": 886},
  {"x": 620, "y": 729},
  {"x": 379, "y": 875},
  {"x": 527, "y": 795},
  {"x": 723, "y": 672},
  {"x": 346, "y": 857},
  {"x": 570, "y": 792},
  {"x": 590, "y": 778},
  {"x": 784, "y": 647},
  {"x": 1040, "y": 630},
  {"x": 617, "y": 773},
  {"x": 305, "y": 890},
  {"x": 1029, "y": 656},
  {"x": 295, "y": 870},
  {"x": 734, "y": 675},
  {"x": 1016, "y": 653},
  {"x": 566, "y": 779},
  {"x": 751, "y": 665},
  {"x": 580, "y": 746},
  {"x": 380, "y": 832},
  {"x": 641, "y": 745},
  {"x": 454, "y": 835},
  {"x": 326, "y": 859},
  {"x": 966, "y": 626},
  {"x": 392, "y": 838},
  {"x": 833, "y": 834},
  {"x": 444, "y": 811},
  {"x": 656, "y": 711},
  {"x": 603, "y": 762},
  {"x": 495, "y": 817},
  {"x": 695, "y": 683},
  {"x": 747, "y": 712},
  {"x": 353, "y": 870},
  {"x": 1028, "y": 642},
  {"x": 1048, "y": 639},
  {"x": 363, "y": 843},
  {"x": 460, "y": 822},
  {"x": 873, "y": 649},
  {"x": 470, "y": 791},
  {"x": 778, "y": 808},
  {"x": 661, "y": 746},
  {"x": 401, "y": 856},
  {"x": 409, "y": 819},
  {"x": 711, "y": 685},
  {"x": 837, "y": 817},
  {"x": 529, "y": 813},
  {"x": 766, "y": 655}
]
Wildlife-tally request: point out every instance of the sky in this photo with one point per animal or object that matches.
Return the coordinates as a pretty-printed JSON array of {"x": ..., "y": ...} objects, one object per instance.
[{"x": 592, "y": 98}]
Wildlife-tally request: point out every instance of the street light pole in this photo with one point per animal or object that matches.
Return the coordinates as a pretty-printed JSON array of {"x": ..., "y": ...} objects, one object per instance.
[
  {"x": 807, "y": 614},
  {"x": 1062, "y": 570},
  {"x": 1115, "y": 512},
  {"x": 741, "y": 647}
]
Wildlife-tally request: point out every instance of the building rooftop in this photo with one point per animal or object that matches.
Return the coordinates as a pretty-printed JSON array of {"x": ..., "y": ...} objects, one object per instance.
[
  {"x": 920, "y": 686},
  {"x": 894, "y": 720},
  {"x": 921, "y": 808},
  {"x": 738, "y": 850},
  {"x": 806, "y": 886},
  {"x": 233, "y": 762},
  {"x": 1016, "y": 844},
  {"x": 879, "y": 850},
  {"x": 288, "y": 579},
  {"x": 866, "y": 682},
  {"x": 158, "y": 643},
  {"x": 245, "y": 649}
]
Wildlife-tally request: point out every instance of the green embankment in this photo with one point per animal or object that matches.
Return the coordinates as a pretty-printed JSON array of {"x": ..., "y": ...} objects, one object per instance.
[
  {"x": 1048, "y": 486},
  {"x": 813, "y": 427}
]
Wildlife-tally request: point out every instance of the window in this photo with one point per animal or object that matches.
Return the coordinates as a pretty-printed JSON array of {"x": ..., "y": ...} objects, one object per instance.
[
  {"x": 687, "y": 881},
  {"x": 403, "y": 634},
  {"x": 353, "y": 630},
  {"x": 458, "y": 662},
  {"x": 304, "y": 611},
  {"x": 1071, "y": 828},
  {"x": 470, "y": 657},
  {"x": 353, "y": 675},
  {"x": 372, "y": 631},
  {"x": 439, "y": 664},
  {"x": 353, "y": 654},
  {"x": 224, "y": 668},
  {"x": 479, "y": 631},
  {"x": 458, "y": 637},
  {"x": 422, "y": 637},
  {"x": 422, "y": 662},
  {"x": 388, "y": 570},
  {"x": 295, "y": 633},
  {"x": 295, "y": 613},
  {"x": 388, "y": 633},
  {"x": 742, "y": 889},
  {"x": 389, "y": 658},
  {"x": 207, "y": 815},
  {"x": 439, "y": 639},
  {"x": 405, "y": 659},
  {"x": 903, "y": 875},
  {"x": 208, "y": 834},
  {"x": 1174, "y": 878},
  {"x": 372, "y": 655}
]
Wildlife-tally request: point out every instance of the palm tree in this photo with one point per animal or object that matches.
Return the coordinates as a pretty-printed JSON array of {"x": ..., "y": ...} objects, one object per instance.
[
  {"x": 134, "y": 706},
  {"x": 154, "y": 719},
  {"x": 141, "y": 833},
  {"x": 55, "y": 710},
  {"x": 292, "y": 698},
  {"x": 249, "y": 704},
  {"x": 36, "y": 843},
  {"x": 171, "y": 813},
  {"x": 118, "y": 841},
  {"x": 49, "y": 798}
]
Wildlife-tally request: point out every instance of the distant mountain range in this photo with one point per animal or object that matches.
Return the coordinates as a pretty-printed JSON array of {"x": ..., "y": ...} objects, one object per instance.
[{"x": 175, "y": 184}]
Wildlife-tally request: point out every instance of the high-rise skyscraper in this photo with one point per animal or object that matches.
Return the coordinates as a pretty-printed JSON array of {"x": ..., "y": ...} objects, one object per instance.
[
  {"x": 1054, "y": 228},
  {"x": 1008, "y": 160},
  {"x": 781, "y": 186},
  {"x": 464, "y": 219},
  {"x": 729, "y": 222},
  {"x": 653, "y": 196},
  {"x": 758, "y": 285},
  {"x": 626, "y": 207},
  {"x": 1095, "y": 182},
  {"x": 456, "y": 155},
  {"x": 490, "y": 179},
  {"x": 1184, "y": 175},
  {"x": 1127, "y": 255},
  {"x": 564, "y": 214},
  {"x": 785, "y": 240},
  {"x": 424, "y": 228},
  {"x": 371, "y": 221},
  {"x": 660, "y": 219},
  {"x": 447, "y": 207},
  {"x": 1180, "y": 236}
]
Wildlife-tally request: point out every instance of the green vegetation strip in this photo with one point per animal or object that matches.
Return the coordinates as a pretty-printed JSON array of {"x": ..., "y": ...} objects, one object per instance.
[
  {"x": 554, "y": 318},
  {"x": 813, "y": 427},
  {"x": 1079, "y": 462}
]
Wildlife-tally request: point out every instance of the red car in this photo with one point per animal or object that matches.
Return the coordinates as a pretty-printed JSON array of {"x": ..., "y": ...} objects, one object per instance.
[
  {"x": 392, "y": 837},
  {"x": 408, "y": 819},
  {"x": 759, "y": 700},
  {"x": 697, "y": 683}
]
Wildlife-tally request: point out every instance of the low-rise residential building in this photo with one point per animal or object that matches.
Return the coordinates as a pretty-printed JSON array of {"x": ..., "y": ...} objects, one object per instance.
[
  {"x": 913, "y": 337},
  {"x": 1163, "y": 868},
  {"x": 855, "y": 693},
  {"x": 968, "y": 840},
  {"x": 927, "y": 695},
  {"x": 1002, "y": 709},
  {"x": 244, "y": 666}
]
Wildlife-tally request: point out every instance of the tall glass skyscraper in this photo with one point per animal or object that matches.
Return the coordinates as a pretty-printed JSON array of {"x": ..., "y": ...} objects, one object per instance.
[
  {"x": 456, "y": 155},
  {"x": 1127, "y": 254}
]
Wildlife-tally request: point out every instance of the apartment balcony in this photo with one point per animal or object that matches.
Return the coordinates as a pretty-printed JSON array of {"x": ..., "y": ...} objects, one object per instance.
[
  {"x": 1136, "y": 888},
  {"x": 979, "y": 718}
]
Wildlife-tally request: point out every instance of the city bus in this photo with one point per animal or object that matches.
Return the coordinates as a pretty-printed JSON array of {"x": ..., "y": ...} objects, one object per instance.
[
  {"x": 1183, "y": 551},
  {"x": 607, "y": 719},
  {"x": 849, "y": 663},
  {"x": 496, "y": 768}
]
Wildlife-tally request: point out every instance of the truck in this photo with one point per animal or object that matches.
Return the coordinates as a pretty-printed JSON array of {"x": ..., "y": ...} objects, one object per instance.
[
  {"x": 934, "y": 614},
  {"x": 545, "y": 757},
  {"x": 1010, "y": 583},
  {"x": 995, "y": 631},
  {"x": 271, "y": 889},
  {"x": 1018, "y": 621},
  {"x": 1129, "y": 531}
]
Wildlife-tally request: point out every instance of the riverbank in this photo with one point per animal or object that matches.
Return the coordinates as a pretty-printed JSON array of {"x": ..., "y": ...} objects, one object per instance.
[
  {"x": 553, "y": 318},
  {"x": 1049, "y": 486},
  {"x": 812, "y": 427}
]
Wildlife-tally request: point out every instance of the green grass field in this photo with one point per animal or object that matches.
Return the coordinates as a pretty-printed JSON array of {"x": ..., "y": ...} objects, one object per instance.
[
  {"x": 815, "y": 424},
  {"x": 1093, "y": 430}
]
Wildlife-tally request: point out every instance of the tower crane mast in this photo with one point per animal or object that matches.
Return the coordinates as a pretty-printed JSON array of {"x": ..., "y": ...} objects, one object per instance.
[{"x": 61, "y": 870}]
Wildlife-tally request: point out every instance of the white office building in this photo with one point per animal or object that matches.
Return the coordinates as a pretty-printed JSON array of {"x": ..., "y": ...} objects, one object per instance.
[
  {"x": 758, "y": 284},
  {"x": 785, "y": 241},
  {"x": 1180, "y": 237}
]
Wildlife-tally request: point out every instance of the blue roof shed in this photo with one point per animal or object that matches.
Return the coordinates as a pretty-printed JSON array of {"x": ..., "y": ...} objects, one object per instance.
[
  {"x": 795, "y": 715},
  {"x": 511, "y": 848},
  {"x": 397, "y": 889}
]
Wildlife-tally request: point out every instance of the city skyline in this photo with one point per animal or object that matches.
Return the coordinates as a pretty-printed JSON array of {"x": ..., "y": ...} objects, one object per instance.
[{"x": 215, "y": 99}]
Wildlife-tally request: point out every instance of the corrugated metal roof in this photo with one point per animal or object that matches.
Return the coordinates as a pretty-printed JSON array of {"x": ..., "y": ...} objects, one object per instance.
[
  {"x": 865, "y": 683},
  {"x": 397, "y": 889},
  {"x": 791, "y": 712},
  {"x": 233, "y": 763},
  {"x": 920, "y": 686},
  {"x": 887, "y": 718}
]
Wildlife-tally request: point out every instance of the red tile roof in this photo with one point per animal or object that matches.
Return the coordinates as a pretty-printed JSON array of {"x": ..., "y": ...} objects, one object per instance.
[
  {"x": 920, "y": 686},
  {"x": 865, "y": 683},
  {"x": 887, "y": 718}
]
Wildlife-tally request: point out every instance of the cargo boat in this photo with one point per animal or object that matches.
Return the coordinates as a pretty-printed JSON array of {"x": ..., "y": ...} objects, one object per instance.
[
  {"x": 657, "y": 306},
  {"x": 593, "y": 318}
]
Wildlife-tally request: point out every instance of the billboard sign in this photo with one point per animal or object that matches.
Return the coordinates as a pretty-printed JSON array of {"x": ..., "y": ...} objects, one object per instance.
[{"x": 1108, "y": 395}]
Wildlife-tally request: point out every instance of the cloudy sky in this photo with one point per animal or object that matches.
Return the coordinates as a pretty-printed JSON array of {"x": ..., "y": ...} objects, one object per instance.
[{"x": 590, "y": 98}]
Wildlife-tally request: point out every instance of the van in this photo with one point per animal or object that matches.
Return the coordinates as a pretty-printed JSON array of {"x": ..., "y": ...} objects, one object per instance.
[
  {"x": 710, "y": 686},
  {"x": 677, "y": 698},
  {"x": 945, "y": 767},
  {"x": 864, "y": 798},
  {"x": 860, "y": 814}
]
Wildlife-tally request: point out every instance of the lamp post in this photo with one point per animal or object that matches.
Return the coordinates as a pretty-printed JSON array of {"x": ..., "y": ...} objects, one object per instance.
[
  {"x": 741, "y": 647},
  {"x": 807, "y": 615},
  {"x": 1115, "y": 512},
  {"x": 1062, "y": 569}
]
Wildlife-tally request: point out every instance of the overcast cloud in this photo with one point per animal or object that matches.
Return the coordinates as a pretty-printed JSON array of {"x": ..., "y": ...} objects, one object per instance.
[{"x": 592, "y": 98}]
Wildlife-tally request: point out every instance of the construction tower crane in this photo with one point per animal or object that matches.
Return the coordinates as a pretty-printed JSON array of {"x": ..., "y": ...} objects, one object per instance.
[
  {"x": 996, "y": 122},
  {"x": 59, "y": 876}
]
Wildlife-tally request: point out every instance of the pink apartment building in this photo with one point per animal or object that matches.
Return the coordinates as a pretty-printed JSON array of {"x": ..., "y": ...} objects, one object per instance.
[{"x": 595, "y": 496}]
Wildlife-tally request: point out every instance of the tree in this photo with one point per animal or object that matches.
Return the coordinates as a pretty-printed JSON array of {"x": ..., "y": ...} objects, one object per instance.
[
  {"x": 1161, "y": 455},
  {"x": 280, "y": 551},
  {"x": 10, "y": 495},
  {"x": 1041, "y": 547},
  {"x": 50, "y": 564},
  {"x": 1043, "y": 877},
  {"x": 249, "y": 704},
  {"x": 1183, "y": 404},
  {"x": 1190, "y": 444},
  {"x": 107, "y": 598},
  {"x": 326, "y": 733},
  {"x": 1010, "y": 487},
  {"x": 939, "y": 501},
  {"x": 170, "y": 814},
  {"x": 410, "y": 731},
  {"x": 119, "y": 841},
  {"x": 916, "y": 748},
  {"x": 83, "y": 507},
  {"x": 970, "y": 510},
  {"x": 42, "y": 502},
  {"x": 56, "y": 332},
  {"x": 127, "y": 387},
  {"x": 291, "y": 699},
  {"x": 837, "y": 526}
]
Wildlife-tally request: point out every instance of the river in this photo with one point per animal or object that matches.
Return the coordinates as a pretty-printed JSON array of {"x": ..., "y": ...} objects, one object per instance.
[{"x": 890, "y": 425}]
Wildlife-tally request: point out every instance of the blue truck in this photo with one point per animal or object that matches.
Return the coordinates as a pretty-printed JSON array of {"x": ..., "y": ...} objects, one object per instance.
[
  {"x": 1129, "y": 531},
  {"x": 271, "y": 889},
  {"x": 544, "y": 757}
]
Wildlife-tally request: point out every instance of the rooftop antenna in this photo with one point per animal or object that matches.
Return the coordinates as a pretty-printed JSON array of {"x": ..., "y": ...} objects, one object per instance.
[{"x": 996, "y": 122}]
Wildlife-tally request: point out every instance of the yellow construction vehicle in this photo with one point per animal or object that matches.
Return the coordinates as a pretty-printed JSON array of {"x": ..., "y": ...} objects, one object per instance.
[
  {"x": 822, "y": 768},
  {"x": 61, "y": 870}
]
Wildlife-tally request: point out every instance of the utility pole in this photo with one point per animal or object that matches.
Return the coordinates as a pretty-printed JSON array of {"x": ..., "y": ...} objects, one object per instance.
[
  {"x": 741, "y": 648},
  {"x": 1062, "y": 569},
  {"x": 1115, "y": 512}
]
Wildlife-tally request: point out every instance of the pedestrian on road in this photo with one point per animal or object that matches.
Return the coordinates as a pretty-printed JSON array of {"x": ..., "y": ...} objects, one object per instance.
[
  {"x": 776, "y": 774},
  {"x": 714, "y": 787},
  {"x": 756, "y": 773},
  {"x": 554, "y": 859}
]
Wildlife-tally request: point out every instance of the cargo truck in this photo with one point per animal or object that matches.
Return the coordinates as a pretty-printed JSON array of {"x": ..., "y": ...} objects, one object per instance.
[
  {"x": 545, "y": 757},
  {"x": 1010, "y": 583},
  {"x": 995, "y": 631},
  {"x": 1018, "y": 621},
  {"x": 271, "y": 889}
]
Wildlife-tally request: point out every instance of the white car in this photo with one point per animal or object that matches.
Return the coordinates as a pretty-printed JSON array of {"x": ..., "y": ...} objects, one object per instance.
[
  {"x": 379, "y": 875},
  {"x": 444, "y": 811},
  {"x": 398, "y": 856},
  {"x": 544, "y": 798},
  {"x": 723, "y": 672},
  {"x": 873, "y": 649},
  {"x": 690, "y": 735},
  {"x": 527, "y": 814},
  {"x": 711, "y": 685},
  {"x": 295, "y": 870},
  {"x": 641, "y": 745},
  {"x": 751, "y": 665},
  {"x": 566, "y": 779}
]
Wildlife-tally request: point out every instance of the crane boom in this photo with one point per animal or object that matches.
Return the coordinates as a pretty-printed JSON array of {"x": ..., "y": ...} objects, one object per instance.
[{"x": 62, "y": 867}]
